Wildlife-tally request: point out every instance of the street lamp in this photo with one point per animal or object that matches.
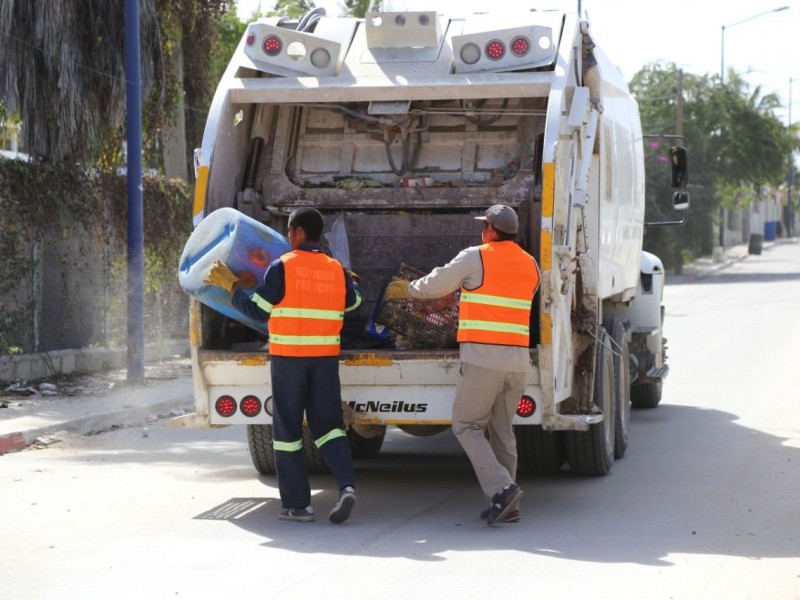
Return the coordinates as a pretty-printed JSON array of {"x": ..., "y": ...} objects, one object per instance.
[
  {"x": 722, "y": 80},
  {"x": 724, "y": 27}
]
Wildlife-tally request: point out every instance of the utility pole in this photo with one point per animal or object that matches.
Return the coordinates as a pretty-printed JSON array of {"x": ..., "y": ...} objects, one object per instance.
[
  {"x": 790, "y": 177},
  {"x": 679, "y": 105},
  {"x": 133, "y": 94}
]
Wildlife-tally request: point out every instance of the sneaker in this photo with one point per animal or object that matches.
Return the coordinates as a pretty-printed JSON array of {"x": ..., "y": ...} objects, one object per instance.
[
  {"x": 513, "y": 516},
  {"x": 341, "y": 510},
  {"x": 297, "y": 514},
  {"x": 503, "y": 503}
]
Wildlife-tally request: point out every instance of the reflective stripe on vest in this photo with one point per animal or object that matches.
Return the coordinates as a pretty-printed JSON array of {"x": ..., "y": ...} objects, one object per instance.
[
  {"x": 331, "y": 435},
  {"x": 498, "y": 311},
  {"x": 261, "y": 303},
  {"x": 308, "y": 320}
]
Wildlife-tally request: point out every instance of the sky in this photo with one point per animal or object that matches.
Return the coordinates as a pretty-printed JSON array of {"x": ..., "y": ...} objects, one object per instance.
[{"x": 633, "y": 33}]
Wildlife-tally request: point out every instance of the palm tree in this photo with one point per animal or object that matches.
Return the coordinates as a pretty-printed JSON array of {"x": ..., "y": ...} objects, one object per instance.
[
  {"x": 63, "y": 71},
  {"x": 359, "y": 8}
]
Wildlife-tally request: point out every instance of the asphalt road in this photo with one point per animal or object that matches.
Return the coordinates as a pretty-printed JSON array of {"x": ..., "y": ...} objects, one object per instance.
[{"x": 705, "y": 504}]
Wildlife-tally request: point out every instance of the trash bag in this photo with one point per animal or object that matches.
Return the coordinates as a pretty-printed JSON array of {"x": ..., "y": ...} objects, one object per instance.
[{"x": 337, "y": 242}]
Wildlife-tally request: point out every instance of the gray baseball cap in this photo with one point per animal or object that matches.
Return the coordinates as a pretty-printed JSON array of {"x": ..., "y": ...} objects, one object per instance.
[{"x": 501, "y": 217}]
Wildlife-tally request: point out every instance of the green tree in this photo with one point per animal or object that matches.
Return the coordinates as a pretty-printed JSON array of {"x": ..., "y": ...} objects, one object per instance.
[
  {"x": 293, "y": 8},
  {"x": 733, "y": 137},
  {"x": 359, "y": 8},
  {"x": 63, "y": 70}
]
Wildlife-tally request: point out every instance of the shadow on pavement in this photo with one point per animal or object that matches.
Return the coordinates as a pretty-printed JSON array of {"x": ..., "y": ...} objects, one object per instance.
[{"x": 722, "y": 492}]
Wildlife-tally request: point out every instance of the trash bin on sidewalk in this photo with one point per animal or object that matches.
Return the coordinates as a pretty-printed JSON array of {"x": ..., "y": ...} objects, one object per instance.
[
  {"x": 756, "y": 244},
  {"x": 770, "y": 231}
]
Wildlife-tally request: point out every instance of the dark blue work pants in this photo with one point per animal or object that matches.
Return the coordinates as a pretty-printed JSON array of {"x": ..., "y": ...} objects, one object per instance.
[{"x": 310, "y": 386}]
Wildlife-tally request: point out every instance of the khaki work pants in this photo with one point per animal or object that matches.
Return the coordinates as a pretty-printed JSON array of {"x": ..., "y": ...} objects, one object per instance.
[{"x": 485, "y": 401}]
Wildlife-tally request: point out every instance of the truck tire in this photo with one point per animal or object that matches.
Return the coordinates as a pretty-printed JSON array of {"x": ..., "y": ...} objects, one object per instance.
[
  {"x": 365, "y": 447},
  {"x": 622, "y": 384},
  {"x": 259, "y": 440},
  {"x": 592, "y": 452},
  {"x": 315, "y": 464},
  {"x": 646, "y": 395},
  {"x": 539, "y": 452}
]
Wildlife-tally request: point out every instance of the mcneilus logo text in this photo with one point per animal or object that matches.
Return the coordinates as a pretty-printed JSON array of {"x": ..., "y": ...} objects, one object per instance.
[{"x": 387, "y": 407}]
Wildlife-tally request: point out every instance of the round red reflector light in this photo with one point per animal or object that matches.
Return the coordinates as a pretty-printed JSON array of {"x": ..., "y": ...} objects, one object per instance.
[
  {"x": 272, "y": 45},
  {"x": 526, "y": 406},
  {"x": 495, "y": 50},
  {"x": 251, "y": 39},
  {"x": 520, "y": 46},
  {"x": 250, "y": 406},
  {"x": 225, "y": 406}
]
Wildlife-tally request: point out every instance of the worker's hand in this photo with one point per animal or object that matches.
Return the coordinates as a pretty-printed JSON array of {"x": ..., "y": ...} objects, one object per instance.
[
  {"x": 219, "y": 274},
  {"x": 355, "y": 277},
  {"x": 396, "y": 290}
]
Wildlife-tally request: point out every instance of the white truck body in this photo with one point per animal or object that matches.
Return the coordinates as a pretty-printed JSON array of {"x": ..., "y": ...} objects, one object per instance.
[{"x": 410, "y": 124}]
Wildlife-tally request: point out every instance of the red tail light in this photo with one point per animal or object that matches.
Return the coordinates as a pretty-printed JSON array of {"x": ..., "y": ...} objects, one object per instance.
[
  {"x": 526, "y": 406},
  {"x": 225, "y": 406},
  {"x": 251, "y": 39},
  {"x": 250, "y": 406},
  {"x": 272, "y": 45},
  {"x": 520, "y": 46},
  {"x": 495, "y": 50}
]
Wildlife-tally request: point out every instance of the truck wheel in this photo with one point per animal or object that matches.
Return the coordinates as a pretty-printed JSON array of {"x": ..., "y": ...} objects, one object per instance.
[
  {"x": 539, "y": 452},
  {"x": 645, "y": 395},
  {"x": 592, "y": 452},
  {"x": 315, "y": 464},
  {"x": 365, "y": 447},
  {"x": 622, "y": 384},
  {"x": 259, "y": 440}
]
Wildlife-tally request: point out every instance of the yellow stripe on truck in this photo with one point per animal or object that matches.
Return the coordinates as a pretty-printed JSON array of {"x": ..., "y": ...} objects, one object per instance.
[
  {"x": 548, "y": 198},
  {"x": 546, "y": 247},
  {"x": 200, "y": 189}
]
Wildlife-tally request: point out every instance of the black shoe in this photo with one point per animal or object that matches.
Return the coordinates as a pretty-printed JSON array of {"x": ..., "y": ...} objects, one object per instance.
[
  {"x": 297, "y": 514},
  {"x": 513, "y": 516},
  {"x": 341, "y": 510},
  {"x": 503, "y": 503}
]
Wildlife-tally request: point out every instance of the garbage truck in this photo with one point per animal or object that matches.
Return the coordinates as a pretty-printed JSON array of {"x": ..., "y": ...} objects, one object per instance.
[{"x": 400, "y": 128}]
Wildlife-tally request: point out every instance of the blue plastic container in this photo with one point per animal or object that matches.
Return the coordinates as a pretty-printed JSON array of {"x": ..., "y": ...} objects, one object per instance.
[
  {"x": 770, "y": 231},
  {"x": 242, "y": 243}
]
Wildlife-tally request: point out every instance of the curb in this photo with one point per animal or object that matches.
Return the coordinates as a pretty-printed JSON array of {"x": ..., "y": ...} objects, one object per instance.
[{"x": 179, "y": 400}]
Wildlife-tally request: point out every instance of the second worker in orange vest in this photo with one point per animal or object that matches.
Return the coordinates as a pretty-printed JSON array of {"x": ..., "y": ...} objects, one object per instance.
[{"x": 498, "y": 280}]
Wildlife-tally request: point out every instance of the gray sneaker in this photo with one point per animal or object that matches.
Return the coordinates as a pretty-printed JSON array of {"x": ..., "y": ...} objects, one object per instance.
[
  {"x": 297, "y": 514},
  {"x": 341, "y": 510},
  {"x": 503, "y": 503},
  {"x": 512, "y": 516}
]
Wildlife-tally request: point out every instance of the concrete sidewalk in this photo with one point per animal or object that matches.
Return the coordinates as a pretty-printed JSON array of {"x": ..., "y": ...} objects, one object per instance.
[{"x": 24, "y": 419}]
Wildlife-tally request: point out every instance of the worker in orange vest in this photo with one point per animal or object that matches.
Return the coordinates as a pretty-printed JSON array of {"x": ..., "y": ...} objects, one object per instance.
[
  {"x": 304, "y": 296},
  {"x": 498, "y": 280}
]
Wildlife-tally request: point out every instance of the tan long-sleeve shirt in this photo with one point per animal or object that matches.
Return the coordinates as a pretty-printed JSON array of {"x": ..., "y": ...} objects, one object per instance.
[{"x": 467, "y": 269}]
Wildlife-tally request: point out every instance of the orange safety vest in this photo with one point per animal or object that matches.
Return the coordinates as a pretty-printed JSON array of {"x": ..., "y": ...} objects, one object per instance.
[
  {"x": 499, "y": 310},
  {"x": 308, "y": 321}
]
